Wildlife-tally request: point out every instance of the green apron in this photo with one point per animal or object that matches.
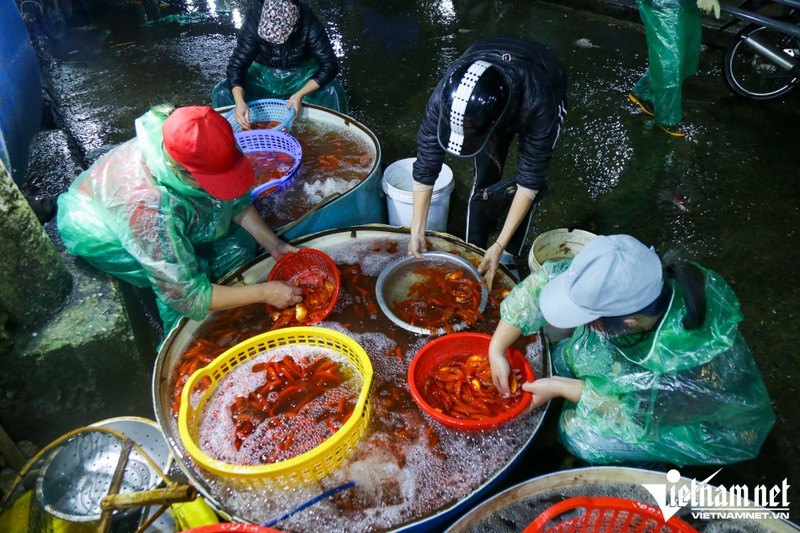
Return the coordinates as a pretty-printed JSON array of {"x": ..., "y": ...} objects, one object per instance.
[{"x": 267, "y": 82}]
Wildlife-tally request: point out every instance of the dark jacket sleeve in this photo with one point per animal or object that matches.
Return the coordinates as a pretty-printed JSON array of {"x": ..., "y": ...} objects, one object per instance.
[
  {"x": 247, "y": 47},
  {"x": 537, "y": 140},
  {"x": 322, "y": 51},
  {"x": 540, "y": 88},
  {"x": 430, "y": 154}
]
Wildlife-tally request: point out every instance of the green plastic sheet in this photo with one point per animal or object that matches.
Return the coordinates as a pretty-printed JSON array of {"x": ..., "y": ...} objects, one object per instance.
[
  {"x": 673, "y": 31},
  {"x": 267, "y": 82},
  {"x": 680, "y": 397},
  {"x": 129, "y": 215}
]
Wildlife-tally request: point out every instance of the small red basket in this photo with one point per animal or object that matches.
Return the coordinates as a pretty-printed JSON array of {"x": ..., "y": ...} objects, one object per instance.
[
  {"x": 607, "y": 515},
  {"x": 447, "y": 347},
  {"x": 232, "y": 527},
  {"x": 304, "y": 268}
]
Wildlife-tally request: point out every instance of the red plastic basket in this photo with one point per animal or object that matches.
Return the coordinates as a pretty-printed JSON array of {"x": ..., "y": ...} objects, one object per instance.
[
  {"x": 446, "y": 347},
  {"x": 306, "y": 267},
  {"x": 231, "y": 527},
  {"x": 606, "y": 515}
]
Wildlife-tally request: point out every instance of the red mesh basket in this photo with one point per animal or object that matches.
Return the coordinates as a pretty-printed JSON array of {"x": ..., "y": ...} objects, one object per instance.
[
  {"x": 606, "y": 515},
  {"x": 231, "y": 527},
  {"x": 447, "y": 347},
  {"x": 305, "y": 268}
]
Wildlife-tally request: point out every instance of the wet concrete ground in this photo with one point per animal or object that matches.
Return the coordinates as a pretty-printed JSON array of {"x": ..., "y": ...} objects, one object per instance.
[{"x": 726, "y": 195}]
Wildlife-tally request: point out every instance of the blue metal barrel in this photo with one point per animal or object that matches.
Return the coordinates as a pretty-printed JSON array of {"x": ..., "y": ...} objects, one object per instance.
[
  {"x": 20, "y": 92},
  {"x": 363, "y": 204}
]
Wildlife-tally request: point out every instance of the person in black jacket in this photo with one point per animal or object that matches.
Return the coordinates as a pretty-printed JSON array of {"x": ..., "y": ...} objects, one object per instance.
[
  {"x": 497, "y": 89},
  {"x": 282, "y": 51}
]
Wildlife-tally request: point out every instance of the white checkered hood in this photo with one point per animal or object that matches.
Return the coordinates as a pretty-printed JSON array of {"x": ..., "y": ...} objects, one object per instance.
[{"x": 462, "y": 95}]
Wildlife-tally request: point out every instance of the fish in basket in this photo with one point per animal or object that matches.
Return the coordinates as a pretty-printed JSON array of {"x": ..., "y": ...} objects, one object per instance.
[{"x": 286, "y": 405}]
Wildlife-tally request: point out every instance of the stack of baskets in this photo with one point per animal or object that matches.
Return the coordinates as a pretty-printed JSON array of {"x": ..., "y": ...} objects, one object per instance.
[{"x": 311, "y": 465}]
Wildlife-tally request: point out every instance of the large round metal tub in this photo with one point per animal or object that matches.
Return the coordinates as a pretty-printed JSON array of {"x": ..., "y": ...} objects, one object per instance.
[
  {"x": 516, "y": 507},
  {"x": 332, "y": 241},
  {"x": 363, "y": 204}
]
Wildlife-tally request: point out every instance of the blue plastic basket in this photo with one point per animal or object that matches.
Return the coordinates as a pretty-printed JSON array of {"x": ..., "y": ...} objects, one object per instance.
[
  {"x": 266, "y": 110},
  {"x": 255, "y": 141}
]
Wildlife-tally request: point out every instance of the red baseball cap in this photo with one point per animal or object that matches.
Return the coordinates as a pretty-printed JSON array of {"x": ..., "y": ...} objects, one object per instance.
[{"x": 202, "y": 141}]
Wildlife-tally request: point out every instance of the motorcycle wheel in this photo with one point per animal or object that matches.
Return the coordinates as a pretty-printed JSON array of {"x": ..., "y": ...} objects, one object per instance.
[{"x": 752, "y": 76}]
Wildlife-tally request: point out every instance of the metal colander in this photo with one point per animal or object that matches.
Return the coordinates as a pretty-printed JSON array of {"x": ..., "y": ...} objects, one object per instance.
[{"x": 77, "y": 475}]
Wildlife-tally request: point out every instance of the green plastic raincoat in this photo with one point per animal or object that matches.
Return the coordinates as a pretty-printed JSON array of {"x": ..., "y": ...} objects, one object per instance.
[
  {"x": 268, "y": 82},
  {"x": 131, "y": 216},
  {"x": 673, "y": 30},
  {"x": 680, "y": 397}
]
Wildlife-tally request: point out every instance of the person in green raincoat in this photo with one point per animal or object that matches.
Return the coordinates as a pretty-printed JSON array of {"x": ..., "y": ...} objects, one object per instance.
[
  {"x": 656, "y": 370},
  {"x": 282, "y": 51},
  {"x": 170, "y": 209},
  {"x": 673, "y": 31}
]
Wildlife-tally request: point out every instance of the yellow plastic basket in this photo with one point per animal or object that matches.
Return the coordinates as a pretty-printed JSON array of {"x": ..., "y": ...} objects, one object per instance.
[{"x": 311, "y": 465}]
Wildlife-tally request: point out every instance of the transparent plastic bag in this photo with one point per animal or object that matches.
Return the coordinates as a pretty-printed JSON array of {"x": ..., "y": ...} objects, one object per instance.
[
  {"x": 130, "y": 216},
  {"x": 687, "y": 397},
  {"x": 674, "y": 32}
]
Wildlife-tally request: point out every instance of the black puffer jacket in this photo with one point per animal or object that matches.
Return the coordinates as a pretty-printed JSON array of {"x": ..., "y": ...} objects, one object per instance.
[
  {"x": 307, "y": 41},
  {"x": 537, "y": 103}
]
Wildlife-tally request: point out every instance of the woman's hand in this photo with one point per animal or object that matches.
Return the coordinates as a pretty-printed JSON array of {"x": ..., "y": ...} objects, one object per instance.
[
  {"x": 421, "y": 200},
  {"x": 295, "y": 102},
  {"x": 545, "y": 389},
  {"x": 490, "y": 263},
  {"x": 242, "y": 115},
  {"x": 417, "y": 244},
  {"x": 281, "y": 294},
  {"x": 282, "y": 248},
  {"x": 501, "y": 371},
  {"x": 504, "y": 336}
]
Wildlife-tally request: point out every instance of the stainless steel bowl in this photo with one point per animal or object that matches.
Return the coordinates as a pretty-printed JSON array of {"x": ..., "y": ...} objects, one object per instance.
[{"x": 397, "y": 278}]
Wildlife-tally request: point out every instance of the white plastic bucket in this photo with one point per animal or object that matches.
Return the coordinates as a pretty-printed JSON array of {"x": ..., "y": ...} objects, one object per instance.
[
  {"x": 397, "y": 184},
  {"x": 557, "y": 244}
]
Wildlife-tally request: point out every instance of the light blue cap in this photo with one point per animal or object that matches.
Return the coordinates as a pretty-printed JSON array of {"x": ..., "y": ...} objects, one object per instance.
[{"x": 612, "y": 275}]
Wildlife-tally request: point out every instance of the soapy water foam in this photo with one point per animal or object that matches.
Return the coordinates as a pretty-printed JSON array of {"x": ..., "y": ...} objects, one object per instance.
[
  {"x": 422, "y": 485},
  {"x": 373, "y": 257},
  {"x": 318, "y": 190},
  {"x": 386, "y": 493},
  {"x": 216, "y": 427}
]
